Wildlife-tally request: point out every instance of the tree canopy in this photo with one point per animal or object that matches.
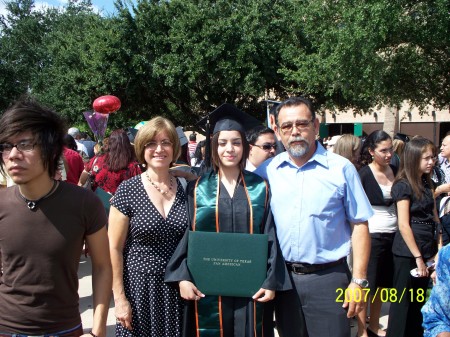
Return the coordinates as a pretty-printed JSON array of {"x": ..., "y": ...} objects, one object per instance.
[{"x": 181, "y": 58}]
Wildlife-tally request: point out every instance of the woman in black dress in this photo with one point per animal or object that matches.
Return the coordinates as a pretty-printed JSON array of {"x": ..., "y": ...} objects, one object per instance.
[
  {"x": 147, "y": 221},
  {"x": 415, "y": 242}
]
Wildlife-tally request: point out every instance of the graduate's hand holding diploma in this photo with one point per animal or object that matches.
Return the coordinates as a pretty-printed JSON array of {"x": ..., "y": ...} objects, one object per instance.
[
  {"x": 267, "y": 295},
  {"x": 189, "y": 291}
]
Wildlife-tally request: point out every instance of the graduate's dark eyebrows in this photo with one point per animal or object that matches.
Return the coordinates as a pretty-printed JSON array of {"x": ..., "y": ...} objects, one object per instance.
[{"x": 232, "y": 139}]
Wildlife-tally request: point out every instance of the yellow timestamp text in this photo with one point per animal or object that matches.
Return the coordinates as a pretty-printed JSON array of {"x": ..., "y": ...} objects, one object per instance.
[{"x": 390, "y": 295}]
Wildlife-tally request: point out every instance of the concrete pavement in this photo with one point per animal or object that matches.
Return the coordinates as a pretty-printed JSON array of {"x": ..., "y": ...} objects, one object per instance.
[{"x": 85, "y": 293}]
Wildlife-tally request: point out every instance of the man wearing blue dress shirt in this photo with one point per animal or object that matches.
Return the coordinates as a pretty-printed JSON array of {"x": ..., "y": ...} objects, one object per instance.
[{"x": 318, "y": 203}]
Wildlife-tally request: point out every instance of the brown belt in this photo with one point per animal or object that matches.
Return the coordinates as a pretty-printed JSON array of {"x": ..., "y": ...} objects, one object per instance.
[{"x": 306, "y": 268}]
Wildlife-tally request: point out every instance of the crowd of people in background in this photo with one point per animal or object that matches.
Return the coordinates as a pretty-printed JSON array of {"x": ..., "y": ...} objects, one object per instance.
[{"x": 357, "y": 215}]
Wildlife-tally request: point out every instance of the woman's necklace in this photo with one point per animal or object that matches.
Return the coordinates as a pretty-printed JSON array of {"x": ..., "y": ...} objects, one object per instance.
[
  {"x": 32, "y": 204},
  {"x": 157, "y": 188}
]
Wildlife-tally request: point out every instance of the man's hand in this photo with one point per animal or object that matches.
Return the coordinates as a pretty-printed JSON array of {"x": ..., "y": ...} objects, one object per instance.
[
  {"x": 354, "y": 307},
  {"x": 182, "y": 174}
]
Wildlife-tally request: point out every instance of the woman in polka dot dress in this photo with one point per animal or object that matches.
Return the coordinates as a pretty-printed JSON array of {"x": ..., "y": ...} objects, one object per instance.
[{"x": 146, "y": 222}]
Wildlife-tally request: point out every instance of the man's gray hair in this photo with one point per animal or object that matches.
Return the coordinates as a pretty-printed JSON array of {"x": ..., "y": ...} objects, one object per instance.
[{"x": 74, "y": 132}]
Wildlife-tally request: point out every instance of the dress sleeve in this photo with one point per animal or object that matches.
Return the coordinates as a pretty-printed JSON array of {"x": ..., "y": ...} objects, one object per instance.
[
  {"x": 401, "y": 191},
  {"x": 121, "y": 198}
]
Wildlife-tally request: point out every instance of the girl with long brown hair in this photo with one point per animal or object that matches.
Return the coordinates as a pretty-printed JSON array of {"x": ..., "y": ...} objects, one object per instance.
[{"x": 415, "y": 242}]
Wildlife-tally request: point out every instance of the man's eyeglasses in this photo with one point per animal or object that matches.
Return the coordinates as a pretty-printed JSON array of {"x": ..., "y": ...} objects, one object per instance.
[
  {"x": 267, "y": 147},
  {"x": 287, "y": 127},
  {"x": 153, "y": 145},
  {"x": 22, "y": 147}
]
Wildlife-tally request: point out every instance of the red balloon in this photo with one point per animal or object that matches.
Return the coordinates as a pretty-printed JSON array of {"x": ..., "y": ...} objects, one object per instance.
[{"x": 106, "y": 104}]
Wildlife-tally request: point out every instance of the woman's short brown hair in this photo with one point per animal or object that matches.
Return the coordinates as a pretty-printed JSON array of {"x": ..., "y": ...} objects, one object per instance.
[
  {"x": 215, "y": 160},
  {"x": 148, "y": 132}
]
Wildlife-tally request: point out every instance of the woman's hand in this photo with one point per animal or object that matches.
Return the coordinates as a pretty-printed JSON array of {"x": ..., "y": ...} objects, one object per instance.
[
  {"x": 422, "y": 269},
  {"x": 267, "y": 295},
  {"x": 123, "y": 312},
  {"x": 189, "y": 291}
]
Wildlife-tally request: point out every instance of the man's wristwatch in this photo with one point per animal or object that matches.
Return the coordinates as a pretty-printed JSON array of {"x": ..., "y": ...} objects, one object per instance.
[{"x": 362, "y": 282}]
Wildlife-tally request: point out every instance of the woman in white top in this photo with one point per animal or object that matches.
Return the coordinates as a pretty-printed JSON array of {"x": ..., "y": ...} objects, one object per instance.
[{"x": 377, "y": 179}]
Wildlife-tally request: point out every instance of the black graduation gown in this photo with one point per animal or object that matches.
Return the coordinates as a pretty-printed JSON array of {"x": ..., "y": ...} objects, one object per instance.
[{"x": 234, "y": 215}]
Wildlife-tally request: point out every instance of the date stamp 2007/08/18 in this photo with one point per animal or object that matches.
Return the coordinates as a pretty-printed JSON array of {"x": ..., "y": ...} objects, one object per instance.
[{"x": 391, "y": 295}]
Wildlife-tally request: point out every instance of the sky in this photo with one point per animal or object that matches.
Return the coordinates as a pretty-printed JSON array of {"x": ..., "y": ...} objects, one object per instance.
[{"x": 106, "y": 7}]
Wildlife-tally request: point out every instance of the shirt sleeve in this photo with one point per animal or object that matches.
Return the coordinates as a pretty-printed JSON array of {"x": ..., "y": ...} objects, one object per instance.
[
  {"x": 401, "y": 191},
  {"x": 357, "y": 205}
]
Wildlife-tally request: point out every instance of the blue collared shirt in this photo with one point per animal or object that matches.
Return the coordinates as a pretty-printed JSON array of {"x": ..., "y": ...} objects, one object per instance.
[{"x": 313, "y": 205}]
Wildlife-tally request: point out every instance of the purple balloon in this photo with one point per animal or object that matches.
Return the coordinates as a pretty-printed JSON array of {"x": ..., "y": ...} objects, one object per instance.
[{"x": 97, "y": 123}]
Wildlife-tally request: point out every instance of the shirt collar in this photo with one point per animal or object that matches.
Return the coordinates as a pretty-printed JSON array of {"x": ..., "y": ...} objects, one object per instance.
[
  {"x": 249, "y": 166},
  {"x": 320, "y": 156}
]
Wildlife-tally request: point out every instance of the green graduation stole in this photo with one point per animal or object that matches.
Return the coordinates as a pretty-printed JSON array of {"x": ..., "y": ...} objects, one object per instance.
[{"x": 208, "y": 311}]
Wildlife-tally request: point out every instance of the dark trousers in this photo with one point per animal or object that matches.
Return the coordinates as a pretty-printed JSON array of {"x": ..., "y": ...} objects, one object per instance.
[
  {"x": 311, "y": 309},
  {"x": 405, "y": 318}
]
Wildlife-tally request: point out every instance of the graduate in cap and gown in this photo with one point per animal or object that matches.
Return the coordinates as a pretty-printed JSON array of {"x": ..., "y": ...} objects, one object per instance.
[{"x": 229, "y": 199}]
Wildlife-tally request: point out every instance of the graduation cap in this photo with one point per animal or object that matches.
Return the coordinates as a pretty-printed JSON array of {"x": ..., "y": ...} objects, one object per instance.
[{"x": 225, "y": 118}]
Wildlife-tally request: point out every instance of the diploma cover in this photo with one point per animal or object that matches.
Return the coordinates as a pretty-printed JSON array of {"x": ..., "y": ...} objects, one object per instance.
[{"x": 227, "y": 264}]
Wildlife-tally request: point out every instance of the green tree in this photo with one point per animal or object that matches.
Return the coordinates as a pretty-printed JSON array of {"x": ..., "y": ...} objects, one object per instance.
[
  {"x": 204, "y": 53},
  {"x": 73, "y": 72},
  {"x": 360, "y": 54},
  {"x": 21, "y": 32},
  {"x": 181, "y": 58}
]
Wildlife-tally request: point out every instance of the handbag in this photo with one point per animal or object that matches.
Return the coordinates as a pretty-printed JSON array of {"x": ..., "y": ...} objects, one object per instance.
[{"x": 89, "y": 183}]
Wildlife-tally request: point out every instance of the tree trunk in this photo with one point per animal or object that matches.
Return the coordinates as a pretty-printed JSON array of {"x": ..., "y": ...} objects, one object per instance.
[{"x": 391, "y": 125}]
